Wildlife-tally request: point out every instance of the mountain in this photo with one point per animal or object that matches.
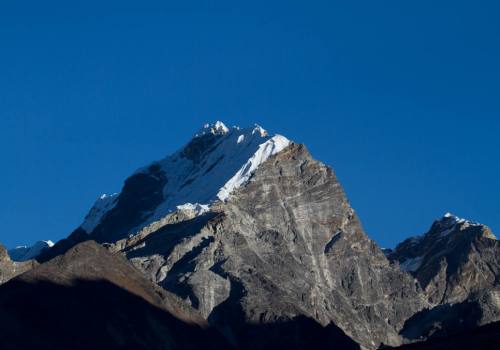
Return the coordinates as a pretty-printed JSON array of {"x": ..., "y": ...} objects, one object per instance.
[
  {"x": 249, "y": 228},
  {"x": 457, "y": 264},
  {"x": 24, "y": 253},
  {"x": 257, "y": 238},
  {"x": 285, "y": 244},
  {"x": 455, "y": 259}
]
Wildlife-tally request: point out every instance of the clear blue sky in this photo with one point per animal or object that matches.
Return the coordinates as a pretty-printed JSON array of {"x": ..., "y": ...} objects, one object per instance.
[{"x": 401, "y": 98}]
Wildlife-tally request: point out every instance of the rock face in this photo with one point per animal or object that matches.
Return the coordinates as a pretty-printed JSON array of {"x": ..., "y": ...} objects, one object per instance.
[
  {"x": 457, "y": 264},
  {"x": 287, "y": 244},
  {"x": 456, "y": 259},
  {"x": 10, "y": 269},
  {"x": 96, "y": 300}
]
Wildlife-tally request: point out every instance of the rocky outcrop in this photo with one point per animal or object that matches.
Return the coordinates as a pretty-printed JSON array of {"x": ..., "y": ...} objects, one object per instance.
[
  {"x": 455, "y": 260},
  {"x": 457, "y": 264},
  {"x": 10, "y": 269},
  {"x": 287, "y": 244}
]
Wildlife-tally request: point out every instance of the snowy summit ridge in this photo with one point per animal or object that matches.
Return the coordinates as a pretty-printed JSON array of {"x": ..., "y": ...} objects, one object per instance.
[{"x": 214, "y": 163}]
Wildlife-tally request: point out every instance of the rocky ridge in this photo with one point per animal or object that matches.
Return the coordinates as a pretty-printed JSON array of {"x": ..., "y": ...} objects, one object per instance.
[
  {"x": 457, "y": 264},
  {"x": 268, "y": 253}
]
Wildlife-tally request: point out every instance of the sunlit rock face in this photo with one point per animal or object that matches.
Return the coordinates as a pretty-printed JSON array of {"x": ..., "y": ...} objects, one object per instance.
[{"x": 285, "y": 244}]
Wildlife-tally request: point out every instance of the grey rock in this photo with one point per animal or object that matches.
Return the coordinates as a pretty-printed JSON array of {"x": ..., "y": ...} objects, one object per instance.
[
  {"x": 457, "y": 264},
  {"x": 285, "y": 245}
]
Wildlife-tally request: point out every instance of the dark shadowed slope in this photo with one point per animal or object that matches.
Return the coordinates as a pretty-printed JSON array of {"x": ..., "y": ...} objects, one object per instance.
[
  {"x": 482, "y": 338},
  {"x": 91, "y": 299}
]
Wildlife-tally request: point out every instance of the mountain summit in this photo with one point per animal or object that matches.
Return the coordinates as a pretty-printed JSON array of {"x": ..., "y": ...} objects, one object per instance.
[{"x": 215, "y": 162}]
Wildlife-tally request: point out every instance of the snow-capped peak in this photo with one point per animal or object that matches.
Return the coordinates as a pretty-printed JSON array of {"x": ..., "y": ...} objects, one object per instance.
[
  {"x": 217, "y": 128},
  {"x": 450, "y": 220},
  {"x": 449, "y": 223},
  {"x": 24, "y": 253},
  {"x": 208, "y": 168}
]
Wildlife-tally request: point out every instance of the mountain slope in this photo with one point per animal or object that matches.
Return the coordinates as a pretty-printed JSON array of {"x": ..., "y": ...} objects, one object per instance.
[
  {"x": 214, "y": 163},
  {"x": 94, "y": 299},
  {"x": 259, "y": 238},
  {"x": 286, "y": 244},
  {"x": 457, "y": 263},
  {"x": 24, "y": 253},
  {"x": 453, "y": 261}
]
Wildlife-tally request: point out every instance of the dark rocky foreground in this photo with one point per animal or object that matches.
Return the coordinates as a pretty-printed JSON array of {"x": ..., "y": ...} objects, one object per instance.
[
  {"x": 483, "y": 338},
  {"x": 282, "y": 262},
  {"x": 90, "y": 298}
]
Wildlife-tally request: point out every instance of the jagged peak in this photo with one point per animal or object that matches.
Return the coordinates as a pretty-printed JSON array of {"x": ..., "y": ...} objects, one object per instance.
[
  {"x": 214, "y": 163},
  {"x": 216, "y": 128},
  {"x": 449, "y": 222},
  {"x": 219, "y": 128}
]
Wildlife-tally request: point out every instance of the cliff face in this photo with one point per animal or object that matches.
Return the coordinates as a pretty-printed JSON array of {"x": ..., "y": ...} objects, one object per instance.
[
  {"x": 286, "y": 244},
  {"x": 259, "y": 240}
]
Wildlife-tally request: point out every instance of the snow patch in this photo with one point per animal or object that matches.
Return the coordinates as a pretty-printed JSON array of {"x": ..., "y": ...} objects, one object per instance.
[
  {"x": 267, "y": 149},
  {"x": 449, "y": 223},
  {"x": 217, "y": 128},
  {"x": 198, "y": 209},
  {"x": 241, "y": 138},
  {"x": 258, "y": 129}
]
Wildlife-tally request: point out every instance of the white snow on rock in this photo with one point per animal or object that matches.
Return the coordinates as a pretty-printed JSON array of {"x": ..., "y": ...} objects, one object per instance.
[
  {"x": 104, "y": 204},
  {"x": 238, "y": 153},
  {"x": 225, "y": 166},
  {"x": 267, "y": 149},
  {"x": 450, "y": 222},
  {"x": 198, "y": 209},
  {"x": 217, "y": 128},
  {"x": 24, "y": 253}
]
